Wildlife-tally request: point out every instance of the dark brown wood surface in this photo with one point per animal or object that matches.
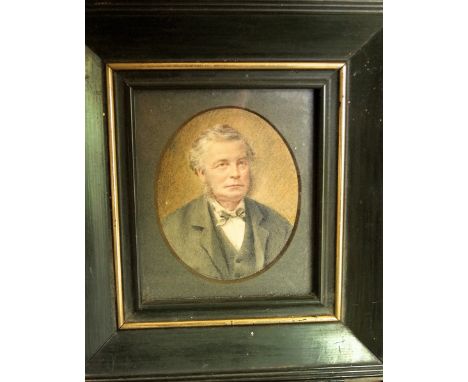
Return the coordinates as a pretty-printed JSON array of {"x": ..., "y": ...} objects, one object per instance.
[
  {"x": 100, "y": 300},
  {"x": 145, "y": 7},
  {"x": 363, "y": 220},
  {"x": 276, "y": 352}
]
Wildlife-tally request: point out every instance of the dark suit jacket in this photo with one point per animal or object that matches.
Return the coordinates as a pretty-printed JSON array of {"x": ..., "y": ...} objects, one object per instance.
[{"x": 191, "y": 233}]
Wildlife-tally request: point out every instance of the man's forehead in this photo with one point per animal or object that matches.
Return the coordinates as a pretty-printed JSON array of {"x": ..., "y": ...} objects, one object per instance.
[{"x": 217, "y": 148}]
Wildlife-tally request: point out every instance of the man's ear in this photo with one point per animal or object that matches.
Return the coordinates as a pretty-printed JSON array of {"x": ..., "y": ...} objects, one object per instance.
[{"x": 201, "y": 175}]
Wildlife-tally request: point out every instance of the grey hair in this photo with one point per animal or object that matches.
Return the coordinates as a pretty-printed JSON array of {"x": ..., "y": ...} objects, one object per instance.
[{"x": 217, "y": 133}]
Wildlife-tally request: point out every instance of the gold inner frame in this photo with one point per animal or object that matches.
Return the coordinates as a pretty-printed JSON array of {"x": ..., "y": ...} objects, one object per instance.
[{"x": 341, "y": 67}]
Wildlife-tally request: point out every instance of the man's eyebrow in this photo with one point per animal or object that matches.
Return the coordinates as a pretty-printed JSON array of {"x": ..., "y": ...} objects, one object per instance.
[
  {"x": 220, "y": 160},
  {"x": 217, "y": 161}
]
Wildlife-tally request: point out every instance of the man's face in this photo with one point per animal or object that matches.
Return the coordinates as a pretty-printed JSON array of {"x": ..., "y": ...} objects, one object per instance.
[{"x": 226, "y": 171}]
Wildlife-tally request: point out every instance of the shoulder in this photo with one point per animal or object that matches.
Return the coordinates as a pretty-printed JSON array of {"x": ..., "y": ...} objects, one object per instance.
[
  {"x": 182, "y": 214},
  {"x": 179, "y": 213},
  {"x": 270, "y": 216}
]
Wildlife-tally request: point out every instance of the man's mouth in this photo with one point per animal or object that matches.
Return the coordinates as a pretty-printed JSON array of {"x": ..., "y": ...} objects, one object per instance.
[{"x": 235, "y": 185}]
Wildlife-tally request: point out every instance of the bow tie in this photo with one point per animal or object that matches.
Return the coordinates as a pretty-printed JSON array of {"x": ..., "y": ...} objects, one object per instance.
[{"x": 224, "y": 216}]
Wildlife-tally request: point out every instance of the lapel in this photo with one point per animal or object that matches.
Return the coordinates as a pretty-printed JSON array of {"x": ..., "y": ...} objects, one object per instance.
[
  {"x": 260, "y": 234},
  {"x": 200, "y": 219}
]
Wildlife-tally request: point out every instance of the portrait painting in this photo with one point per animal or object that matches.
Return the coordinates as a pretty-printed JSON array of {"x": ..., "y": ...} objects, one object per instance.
[
  {"x": 226, "y": 208},
  {"x": 223, "y": 193},
  {"x": 227, "y": 194}
]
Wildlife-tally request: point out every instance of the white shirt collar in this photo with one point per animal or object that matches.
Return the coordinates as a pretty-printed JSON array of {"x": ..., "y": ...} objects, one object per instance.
[{"x": 218, "y": 207}]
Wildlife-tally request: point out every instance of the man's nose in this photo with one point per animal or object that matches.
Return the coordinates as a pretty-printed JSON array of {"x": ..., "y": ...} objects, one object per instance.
[{"x": 234, "y": 171}]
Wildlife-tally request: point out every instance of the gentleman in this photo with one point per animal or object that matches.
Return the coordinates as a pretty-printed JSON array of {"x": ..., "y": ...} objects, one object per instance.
[{"x": 223, "y": 234}]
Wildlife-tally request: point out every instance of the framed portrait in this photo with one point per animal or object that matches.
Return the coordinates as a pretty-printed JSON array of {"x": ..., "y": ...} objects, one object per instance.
[
  {"x": 185, "y": 150},
  {"x": 221, "y": 211}
]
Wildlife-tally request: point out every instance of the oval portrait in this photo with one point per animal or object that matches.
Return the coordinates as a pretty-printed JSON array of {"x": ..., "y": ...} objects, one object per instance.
[{"x": 227, "y": 194}]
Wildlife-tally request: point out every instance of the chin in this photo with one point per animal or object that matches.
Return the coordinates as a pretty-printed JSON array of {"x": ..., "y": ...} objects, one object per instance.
[{"x": 237, "y": 196}]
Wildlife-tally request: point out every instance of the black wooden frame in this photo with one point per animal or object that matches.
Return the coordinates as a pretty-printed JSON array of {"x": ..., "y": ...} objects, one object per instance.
[{"x": 152, "y": 32}]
